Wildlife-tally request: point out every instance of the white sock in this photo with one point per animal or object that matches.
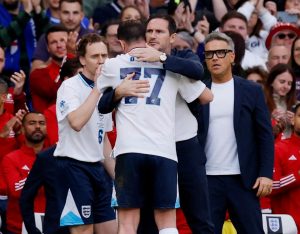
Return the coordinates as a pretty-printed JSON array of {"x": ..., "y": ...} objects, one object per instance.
[{"x": 168, "y": 231}]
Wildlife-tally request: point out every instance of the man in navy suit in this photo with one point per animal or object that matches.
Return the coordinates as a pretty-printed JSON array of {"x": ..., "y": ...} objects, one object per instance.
[
  {"x": 236, "y": 131},
  {"x": 43, "y": 173}
]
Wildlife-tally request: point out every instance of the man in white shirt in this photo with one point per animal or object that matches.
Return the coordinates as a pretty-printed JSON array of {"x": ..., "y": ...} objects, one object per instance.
[
  {"x": 85, "y": 186},
  {"x": 236, "y": 130}
]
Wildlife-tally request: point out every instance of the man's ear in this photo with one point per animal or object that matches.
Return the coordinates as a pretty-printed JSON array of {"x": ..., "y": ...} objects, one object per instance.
[
  {"x": 232, "y": 55},
  {"x": 81, "y": 15},
  {"x": 22, "y": 129},
  {"x": 123, "y": 45},
  {"x": 172, "y": 38},
  {"x": 82, "y": 61}
]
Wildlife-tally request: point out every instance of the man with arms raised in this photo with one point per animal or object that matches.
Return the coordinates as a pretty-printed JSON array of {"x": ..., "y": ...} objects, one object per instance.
[
  {"x": 71, "y": 15},
  {"x": 44, "y": 82}
]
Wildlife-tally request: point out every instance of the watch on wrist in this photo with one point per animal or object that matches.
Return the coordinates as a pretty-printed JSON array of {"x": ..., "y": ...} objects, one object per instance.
[{"x": 162, "y": 57}]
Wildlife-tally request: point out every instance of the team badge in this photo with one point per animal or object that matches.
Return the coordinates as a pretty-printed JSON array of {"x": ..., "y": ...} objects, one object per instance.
[
  {"x": 274, "y": 225},
  {"x": 63, "y": 107},
  {"x": 86, "y": 211}
]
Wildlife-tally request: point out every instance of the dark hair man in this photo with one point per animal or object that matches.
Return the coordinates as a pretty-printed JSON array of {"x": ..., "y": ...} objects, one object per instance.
[
  {"x": 71, "y": 15},
  {"x": 43, "y": 81},
  {"x": 16, "y": 166},
  {"x": 160, "y": 34},
  {"x": 85, "y": 186},
  {"x": 132, "y": 35}
]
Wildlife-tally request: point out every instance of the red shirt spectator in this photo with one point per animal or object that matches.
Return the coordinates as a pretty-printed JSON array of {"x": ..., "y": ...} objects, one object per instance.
[
  {"x": 14, "y": 102},
  {"x": 16, "y": 167},
  {"x": 52, "y": 125},
  {"x": 10, "y": 143},
  {"x": 43, "y": 86},
  {"x": 286, "y": 185}
]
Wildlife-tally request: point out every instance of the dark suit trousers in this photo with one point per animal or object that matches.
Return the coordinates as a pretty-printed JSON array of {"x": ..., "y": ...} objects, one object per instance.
[
  {"x": 227, "y": 192},
  {"x": 193, "y": 190}
]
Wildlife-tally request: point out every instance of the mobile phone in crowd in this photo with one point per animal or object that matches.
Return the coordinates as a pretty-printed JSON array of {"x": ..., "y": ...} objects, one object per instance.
[{"x": 283, "y": 16}]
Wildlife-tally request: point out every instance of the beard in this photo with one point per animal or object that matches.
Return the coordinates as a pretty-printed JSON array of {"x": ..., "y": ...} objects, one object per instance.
[
  {"x": 57, "y": 59},
  {"x": 35, "y": 138},
  {"x": 11, "y": 6}
]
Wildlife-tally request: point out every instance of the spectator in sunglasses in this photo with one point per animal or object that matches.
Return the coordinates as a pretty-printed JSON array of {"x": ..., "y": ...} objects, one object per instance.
[{"x": 282, "y": 34}]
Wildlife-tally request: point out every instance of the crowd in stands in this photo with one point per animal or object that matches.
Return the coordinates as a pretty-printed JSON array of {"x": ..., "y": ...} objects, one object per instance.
[{"x": 39, "y": 42}]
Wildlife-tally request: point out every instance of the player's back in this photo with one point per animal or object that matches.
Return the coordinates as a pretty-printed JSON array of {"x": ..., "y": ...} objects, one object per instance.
[{"x": 145, "y": 125}]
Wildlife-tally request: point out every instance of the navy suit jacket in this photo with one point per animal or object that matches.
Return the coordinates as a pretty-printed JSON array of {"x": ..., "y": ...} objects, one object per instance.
[
  {"x": 252, "y": 127},
  {"x": 43, "y": 173}
]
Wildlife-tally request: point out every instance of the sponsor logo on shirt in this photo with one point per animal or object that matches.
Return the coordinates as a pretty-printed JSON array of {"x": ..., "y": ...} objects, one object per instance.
[
  {"x": 20, "y": 184},
  {"x": 9, "y": 98},
  {"x": 26, "y": 168},
  {"x": 11, "y": 134},
  {"x": 292, "y": 158}
]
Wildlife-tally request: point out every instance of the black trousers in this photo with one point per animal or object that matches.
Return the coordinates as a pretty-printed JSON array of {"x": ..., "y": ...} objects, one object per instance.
[{"x": 227, "y": 192}]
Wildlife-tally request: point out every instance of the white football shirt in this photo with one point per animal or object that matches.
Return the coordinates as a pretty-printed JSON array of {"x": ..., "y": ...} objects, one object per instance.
[
  {"x": 186, "y": 125},
  {"x": 147, "y": 125},
  {"x": 87, "y": 144}
]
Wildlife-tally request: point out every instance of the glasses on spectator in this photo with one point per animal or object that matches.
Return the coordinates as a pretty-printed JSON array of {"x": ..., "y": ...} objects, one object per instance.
[
  {"x": 209, "y": 54},
  {"x": 284, "y": 35}
]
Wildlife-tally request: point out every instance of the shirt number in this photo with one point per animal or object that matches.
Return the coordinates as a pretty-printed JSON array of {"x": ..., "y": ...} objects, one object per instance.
[{"x": 148, "y": 73}]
